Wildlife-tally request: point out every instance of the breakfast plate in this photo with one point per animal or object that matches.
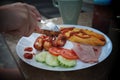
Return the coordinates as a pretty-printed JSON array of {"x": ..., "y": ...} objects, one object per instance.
[{"x": 29, "y": 41}]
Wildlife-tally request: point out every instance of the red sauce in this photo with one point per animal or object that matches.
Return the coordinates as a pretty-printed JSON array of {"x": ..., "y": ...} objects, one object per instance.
[
  {"x": 28, "y": 49},
  {"x": 28, "y": 55}
]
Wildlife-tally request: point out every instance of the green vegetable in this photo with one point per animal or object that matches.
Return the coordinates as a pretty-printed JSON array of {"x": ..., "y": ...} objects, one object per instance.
[
  {"x": 41, "y": 57},
  {"x": 54, "y": 61},
  {"x": 66, "y": 62},
  {"x": 51, "y": 60}
]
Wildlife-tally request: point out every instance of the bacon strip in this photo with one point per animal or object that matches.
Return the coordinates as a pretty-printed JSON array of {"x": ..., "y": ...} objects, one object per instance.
[{"x": 87, "y": 53}]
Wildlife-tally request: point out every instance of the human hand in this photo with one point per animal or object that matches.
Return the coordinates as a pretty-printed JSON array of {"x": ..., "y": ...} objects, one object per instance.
[{"x": 19, "y": 19}]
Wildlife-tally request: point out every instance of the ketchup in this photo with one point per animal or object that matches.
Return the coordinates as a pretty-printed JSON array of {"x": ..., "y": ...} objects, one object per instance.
[
  {"x": 28, "y": 49},
  {"x": 28, "y": 54}
]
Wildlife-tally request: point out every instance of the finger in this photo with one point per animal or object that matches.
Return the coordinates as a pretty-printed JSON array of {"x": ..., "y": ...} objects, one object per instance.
[
  {"x": 15, "y": 33},
  {"x": 37, "y": 17},
  {"x": 32, "y": 26},
  {"x": 34, "y": 10},
  {"x": 33, "y": 15},
  {"x": 37, "y": 29}
]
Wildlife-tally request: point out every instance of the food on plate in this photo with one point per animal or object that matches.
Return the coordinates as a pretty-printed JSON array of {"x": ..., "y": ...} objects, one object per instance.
[
  {"x": 87, "y": 46},
  {"x": 66, "y": 29},
  {"x": 51, "y": 60},
  {"x": 45, "y": 42},
  {"x": 28, "y": 49},
  {"x": 69, "y": 54},
  {"x": 66, "y": 62},
  {"x": 91, "y": 40},
  {"x": 84, "y": 36},
  {"x": 87, "y": 53},
  {"x": 54, "y": 51},
  {"x": 38, "y": 44},
  {"x": 91, "y": 33},
  {"x": 59, "y": 41},
  {"x": 49, "y": 32},
  {"x": 47, "y": 45},
  {"x": 54, "y": 61},
  {"x": 41, "y": 57},
  {"x": 66, "y": 53},
  {"x": 47, "y": 58},
  {"x": 28, "y": 55}
]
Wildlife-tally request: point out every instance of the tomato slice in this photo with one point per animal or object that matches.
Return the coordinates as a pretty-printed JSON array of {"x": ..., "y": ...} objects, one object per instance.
[
  {"x": 69, "y": 54},
  {"x": 66, "y": 53},
  {"x": 55, "y": 51}
]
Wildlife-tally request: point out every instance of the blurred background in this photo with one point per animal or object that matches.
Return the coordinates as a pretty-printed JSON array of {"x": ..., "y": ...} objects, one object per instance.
[{"x": 46, "y": 7}]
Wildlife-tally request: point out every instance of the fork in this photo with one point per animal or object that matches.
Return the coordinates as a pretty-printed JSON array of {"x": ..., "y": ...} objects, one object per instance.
[{"x": 50, "y": 26}]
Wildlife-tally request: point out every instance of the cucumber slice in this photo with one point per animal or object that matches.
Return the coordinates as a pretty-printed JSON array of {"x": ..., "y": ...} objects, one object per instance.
[
  {"x": 66, "y": 62},
  {"x": 51, "y": 60},
  {"x": 41, "y": 57}
]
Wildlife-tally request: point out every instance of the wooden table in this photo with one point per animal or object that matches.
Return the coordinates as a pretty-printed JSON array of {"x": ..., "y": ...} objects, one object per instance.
[{"x": 98, "y": 72}]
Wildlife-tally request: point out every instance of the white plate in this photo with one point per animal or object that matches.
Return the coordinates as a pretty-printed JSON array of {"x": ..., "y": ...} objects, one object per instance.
[{"x": 29, "y": 41}]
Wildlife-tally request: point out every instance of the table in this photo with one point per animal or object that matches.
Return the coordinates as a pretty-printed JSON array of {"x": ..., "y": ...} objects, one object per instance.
[{"x": 100, "y": 71}]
